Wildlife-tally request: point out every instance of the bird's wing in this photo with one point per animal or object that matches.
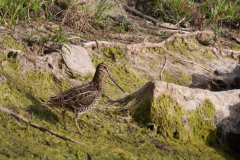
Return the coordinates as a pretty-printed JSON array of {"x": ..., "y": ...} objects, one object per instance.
[
  {"x": 80, "y": 94},
  {"x": 83, "y": 101}
]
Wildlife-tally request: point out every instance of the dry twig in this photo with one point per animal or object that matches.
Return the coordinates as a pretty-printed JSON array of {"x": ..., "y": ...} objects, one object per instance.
[
  {"x": 155, "y": 21},
  {"x": 180, "y": 21},
  {"x": 163, "y": 67},
  {"x": 233, "y": 37},
  {"x": 17, "y": 116},
  {"x": 132, "y": 10}
]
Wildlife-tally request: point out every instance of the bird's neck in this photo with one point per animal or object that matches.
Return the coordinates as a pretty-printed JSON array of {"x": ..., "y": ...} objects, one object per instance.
[{"x": 98, "y": 81}]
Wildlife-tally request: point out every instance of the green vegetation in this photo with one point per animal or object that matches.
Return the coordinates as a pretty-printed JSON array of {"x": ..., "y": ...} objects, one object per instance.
[
  {"x": 13, "y": 10},
  {"x": 103, "y": 9},
  {"x": 209, "y": 13},
  {"x": 218, "y": 10},
  {"x": 58, "y": 38},
  {"x": 172, "y": 10}
]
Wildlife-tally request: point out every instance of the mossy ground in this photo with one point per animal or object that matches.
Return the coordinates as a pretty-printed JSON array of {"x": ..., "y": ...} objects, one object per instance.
[
  {"x": 178, "y": 78},
  {"x": 189, "y": 50},
  {"x": 9, "y": 42},
  {"x": 113, "y": 137}
]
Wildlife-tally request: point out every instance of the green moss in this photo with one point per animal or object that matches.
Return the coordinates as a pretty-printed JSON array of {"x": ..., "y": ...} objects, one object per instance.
[
  {"x": 170, "y": 46},
  {"x": 191, "y": 46},
  {"x": 173, "y": 121},
  {"x": 236, "y": 47},
  {"x": 190, "y": 51},
  {"x": 208, "y": 55},
  {"x": 183, "y": 129},
  {"x": 202, "y": 123},
  {"x": 200, "y": 56},
  {"x": 85, "y": 78},
  {"x": 177, "y": 45},
  {"x": 178, "y": 78},
  {"x": 159, "y": 50},
  {"x": 11, "y": 44},
  {"x": 113, "y": 53},
  {"x": 191, "y": 133}
]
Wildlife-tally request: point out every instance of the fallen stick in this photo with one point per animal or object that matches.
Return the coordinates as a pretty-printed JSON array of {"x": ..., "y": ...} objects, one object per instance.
[
  {"x": 233, "y": 37},
  {"x": 180, "y": 21},
  {"x": 36, "y": 126},
  {"x": 155, "y": 21},
  {"x": 163, "y": 67},
  {"x": 136, "y": 12}
]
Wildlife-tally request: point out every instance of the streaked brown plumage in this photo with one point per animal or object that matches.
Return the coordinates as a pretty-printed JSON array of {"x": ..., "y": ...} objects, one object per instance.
[{"x": 82, "y": 98}]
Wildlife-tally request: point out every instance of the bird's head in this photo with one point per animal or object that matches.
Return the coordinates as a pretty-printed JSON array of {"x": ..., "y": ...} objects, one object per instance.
[{"x": 103, "y": 70}]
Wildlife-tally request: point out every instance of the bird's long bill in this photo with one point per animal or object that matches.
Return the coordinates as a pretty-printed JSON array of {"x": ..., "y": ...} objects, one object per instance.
[{"x": 115, "y": 82}]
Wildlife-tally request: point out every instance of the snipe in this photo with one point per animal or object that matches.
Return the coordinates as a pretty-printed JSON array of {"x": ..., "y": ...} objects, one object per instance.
[{"x": 82, "y": 98}]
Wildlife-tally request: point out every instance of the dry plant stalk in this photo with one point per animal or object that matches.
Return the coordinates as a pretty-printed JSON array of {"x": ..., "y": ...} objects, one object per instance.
[{"x": 163, "y": 67}]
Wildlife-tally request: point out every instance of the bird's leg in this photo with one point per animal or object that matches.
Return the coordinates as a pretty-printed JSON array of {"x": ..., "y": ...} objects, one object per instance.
[
  {"x": 79, "y": 131},
  {"x": 75, "y": 119},
  {"x": 55, "y": 109},
  {"x": 63, "y": 116}
]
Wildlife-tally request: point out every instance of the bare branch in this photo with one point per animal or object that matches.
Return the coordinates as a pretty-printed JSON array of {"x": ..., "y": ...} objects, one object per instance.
[
  {"x": 233, "y": 37},
  {"x": 19, "y": 117},
  {"x": 180, "y": 21},
  {"x": 163, "y": 67},
  {"x": 155, "y": 21}
]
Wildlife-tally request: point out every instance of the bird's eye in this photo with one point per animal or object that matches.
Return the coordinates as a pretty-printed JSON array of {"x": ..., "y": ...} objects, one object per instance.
[{"x": 104, "y": 67}]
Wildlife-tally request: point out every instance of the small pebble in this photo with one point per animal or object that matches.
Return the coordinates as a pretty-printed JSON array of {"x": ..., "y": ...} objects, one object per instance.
[{"x": 142, "y": 141}]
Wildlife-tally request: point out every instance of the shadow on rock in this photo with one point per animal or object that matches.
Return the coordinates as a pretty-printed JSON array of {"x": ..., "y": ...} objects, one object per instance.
[
  {"x": 229, "y": 128},
  {"x": 215, "y": 83},
  {"x": 43, "y": 113},
  {"x": 218, "y": 81}
]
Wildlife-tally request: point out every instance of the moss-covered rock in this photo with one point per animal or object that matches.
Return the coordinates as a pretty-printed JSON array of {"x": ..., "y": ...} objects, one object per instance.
[{"x": 175, "y": 122}]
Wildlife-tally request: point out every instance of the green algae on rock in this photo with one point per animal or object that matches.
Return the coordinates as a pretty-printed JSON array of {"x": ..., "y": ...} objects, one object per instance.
[{"x": 175, "y": 122}]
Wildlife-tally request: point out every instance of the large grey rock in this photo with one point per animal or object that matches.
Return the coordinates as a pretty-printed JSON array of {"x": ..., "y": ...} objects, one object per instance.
[
  {"x": 226, "y": 103},
  {"x": 77, "y": 59}
]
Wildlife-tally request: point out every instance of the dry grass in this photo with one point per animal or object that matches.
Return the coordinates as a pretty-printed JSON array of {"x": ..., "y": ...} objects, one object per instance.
[{"x": 77, "y": 18}]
